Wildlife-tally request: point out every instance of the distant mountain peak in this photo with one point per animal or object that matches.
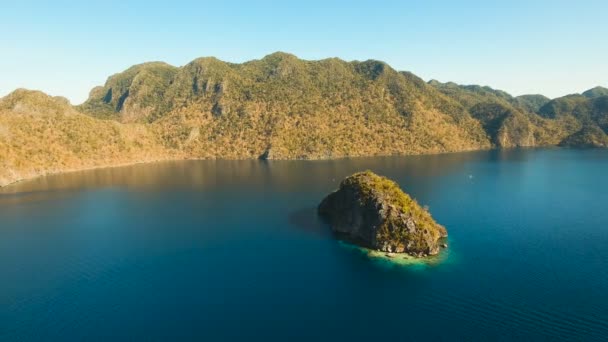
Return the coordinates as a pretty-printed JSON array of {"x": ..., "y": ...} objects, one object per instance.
[
  {"x": 34, "y": 102},
  {"x": 596, "y": 92},
  {"x": 280, "y": 55}
]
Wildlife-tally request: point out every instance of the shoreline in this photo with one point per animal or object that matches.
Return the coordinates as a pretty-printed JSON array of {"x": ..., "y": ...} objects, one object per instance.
[
  {"x": 87, "y": 168},
  {"x": 398, "y": 259},
  {"x": 158, "y": 160}
]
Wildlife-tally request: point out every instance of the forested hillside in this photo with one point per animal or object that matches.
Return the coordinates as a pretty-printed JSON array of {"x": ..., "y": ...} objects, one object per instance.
[{"x": 280, "y": 107}]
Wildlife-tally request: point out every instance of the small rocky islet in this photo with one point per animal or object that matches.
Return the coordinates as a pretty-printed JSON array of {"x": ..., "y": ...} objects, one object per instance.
[{"x": 373, "y": 212}]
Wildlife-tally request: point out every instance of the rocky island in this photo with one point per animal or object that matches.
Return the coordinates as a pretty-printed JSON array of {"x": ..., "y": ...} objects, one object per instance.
[{"x": 373, "y": 211}]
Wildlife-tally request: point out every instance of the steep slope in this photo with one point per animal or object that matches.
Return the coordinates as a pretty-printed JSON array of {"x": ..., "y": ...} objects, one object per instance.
[
  {"x": 133, "y": 95},
  {"x": 589, "y": 111},
  {"x": 372, "y": 211},
  {"x": 507, "y": 121},
  {"x": 532, "y": 103},
  {"x": 471, "y": 95},
  {"x": 571, "y": 105},
  {"x": 596, "y": 92},
  {"x": 588, "y": 136},
  {"x": 279, "y": 107},
  {"x": 284, "y": 107},
  {"x": 40, "y": 134},
  {"x": 584, "y": 109},
  {"x": 506, "y": 126}
]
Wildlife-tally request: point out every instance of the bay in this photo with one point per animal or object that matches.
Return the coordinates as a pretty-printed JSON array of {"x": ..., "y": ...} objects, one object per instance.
[{"x": 219, "y": 250}]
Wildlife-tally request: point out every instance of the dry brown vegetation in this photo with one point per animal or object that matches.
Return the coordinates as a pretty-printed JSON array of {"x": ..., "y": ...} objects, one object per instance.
[
  {"x": 40, "y": 135},
  {"x": 279, "y": 107}
]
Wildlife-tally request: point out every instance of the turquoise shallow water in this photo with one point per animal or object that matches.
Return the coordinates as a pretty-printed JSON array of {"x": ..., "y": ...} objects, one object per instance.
[{"x": 217, "y": 250}]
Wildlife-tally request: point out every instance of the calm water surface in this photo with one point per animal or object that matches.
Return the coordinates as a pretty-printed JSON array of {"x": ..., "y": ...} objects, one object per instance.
[{"x": 216, "y": 250}]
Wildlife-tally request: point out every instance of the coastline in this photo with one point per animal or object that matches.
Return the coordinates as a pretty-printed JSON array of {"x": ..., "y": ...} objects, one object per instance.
[
  {"x": 33, "y": 176},
  {"x": 86, "y": 168},
  {"x": 399, "y": 259}
]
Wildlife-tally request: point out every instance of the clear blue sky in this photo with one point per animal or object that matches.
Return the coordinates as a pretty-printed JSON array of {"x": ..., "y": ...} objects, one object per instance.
[{"x": 550, "y": 47}]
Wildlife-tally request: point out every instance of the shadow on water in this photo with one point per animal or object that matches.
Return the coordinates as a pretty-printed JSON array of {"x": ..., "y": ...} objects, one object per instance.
[
  {"x": 34, "y": 196},
  {"x": 283, "y": 175},
  {"x": 307, "y": 220}
]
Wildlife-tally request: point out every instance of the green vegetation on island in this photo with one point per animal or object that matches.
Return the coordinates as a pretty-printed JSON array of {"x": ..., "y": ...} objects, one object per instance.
[{"x": 373, "y": 211}]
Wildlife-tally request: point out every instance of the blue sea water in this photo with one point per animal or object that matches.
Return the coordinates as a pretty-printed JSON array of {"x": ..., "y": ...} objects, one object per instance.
[{"x": 233, "y": 250}]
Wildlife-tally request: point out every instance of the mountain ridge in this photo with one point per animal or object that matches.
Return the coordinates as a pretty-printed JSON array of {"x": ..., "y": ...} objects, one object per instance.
[{"x": 280, "y": 107}]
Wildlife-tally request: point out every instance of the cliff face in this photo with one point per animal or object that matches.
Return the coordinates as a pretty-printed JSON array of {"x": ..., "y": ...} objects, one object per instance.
[
  {"x": 374, "y": 212},
  {"x": 506, "y": 126}
]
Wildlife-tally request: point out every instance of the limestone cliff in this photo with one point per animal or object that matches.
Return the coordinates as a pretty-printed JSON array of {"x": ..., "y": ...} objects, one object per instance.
[{"x": 374, "y": 212}]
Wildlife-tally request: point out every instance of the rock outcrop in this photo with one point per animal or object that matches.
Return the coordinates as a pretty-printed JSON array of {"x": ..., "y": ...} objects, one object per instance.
[{"x": 372, "y": 211}]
